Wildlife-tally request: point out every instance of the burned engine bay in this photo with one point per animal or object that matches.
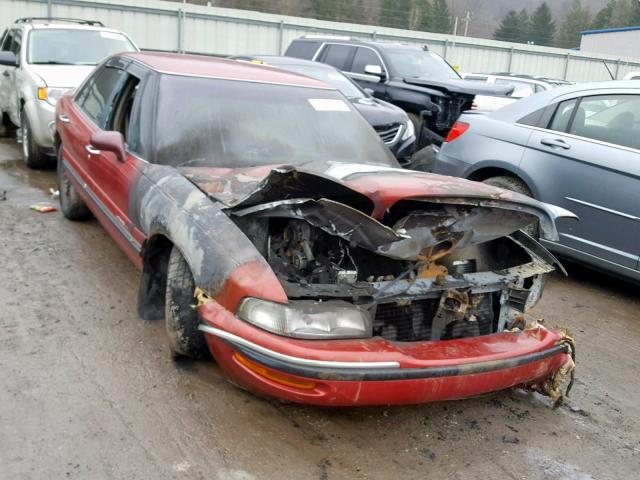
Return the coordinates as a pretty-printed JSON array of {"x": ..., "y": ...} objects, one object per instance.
[{"x": 427, "y": 270}]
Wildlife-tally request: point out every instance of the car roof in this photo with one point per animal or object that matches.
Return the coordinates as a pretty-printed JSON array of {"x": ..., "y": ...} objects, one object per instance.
[
  {"x": 357, "y": 41},
  {"x": 213, "y": 67},
  {"x": 517, "y": 110},
  {"x": 279, "y": 60},
  {"x": 64, "y": 26}
]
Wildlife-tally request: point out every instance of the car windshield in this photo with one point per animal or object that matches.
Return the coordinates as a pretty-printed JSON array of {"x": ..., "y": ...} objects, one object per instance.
[
  {"x": 419, "y": 63},
  {"x": 330, "y": 76},
  {"x": 67, "y": 46},
  {"x": 227, "y": 123}
]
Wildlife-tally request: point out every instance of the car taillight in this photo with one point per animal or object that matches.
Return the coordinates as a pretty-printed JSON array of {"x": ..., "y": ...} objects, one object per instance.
[{"x": 458, "y": 129}]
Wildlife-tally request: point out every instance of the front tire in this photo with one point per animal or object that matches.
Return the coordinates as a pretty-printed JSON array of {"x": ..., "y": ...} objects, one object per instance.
[
  {"x": 181, "y": 317},
  {"x": 32, "y": 154},
  {"x": 71, "y": 203},
  {"x": 518, "y": 186}
]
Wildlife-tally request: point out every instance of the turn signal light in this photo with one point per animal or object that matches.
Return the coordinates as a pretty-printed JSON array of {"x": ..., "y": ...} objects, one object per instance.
[
  {"x": 42, "y": 93},
  {"x": 458, "y": 129},
  {"x": 271, "y": 375}
]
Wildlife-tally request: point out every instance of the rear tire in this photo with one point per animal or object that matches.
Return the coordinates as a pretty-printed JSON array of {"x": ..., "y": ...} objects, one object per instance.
[
  {"x": 518, "y": 186},
  {"x": 181, "y": 318},
  {"x": 32, "y": 154},
  {"x": 71, "y": 203}
]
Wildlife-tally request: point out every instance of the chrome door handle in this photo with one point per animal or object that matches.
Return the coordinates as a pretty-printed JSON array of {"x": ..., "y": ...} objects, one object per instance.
[
  {"x": 91, "y": 150},
  {"x": 555, "y": 143},
  {"x": 64, "y": 119}
]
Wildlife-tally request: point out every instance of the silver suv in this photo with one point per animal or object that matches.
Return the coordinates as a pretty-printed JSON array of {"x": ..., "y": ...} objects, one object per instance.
[{"x": 41, "y": 59}]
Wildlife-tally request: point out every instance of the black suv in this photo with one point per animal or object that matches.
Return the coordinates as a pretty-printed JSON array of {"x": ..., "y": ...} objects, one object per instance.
[{"x": 413, "y": 78}]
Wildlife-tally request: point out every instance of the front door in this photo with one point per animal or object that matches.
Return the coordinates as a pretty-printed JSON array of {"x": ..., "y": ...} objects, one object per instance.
[
  {"x": 364, "y": 57},
  {"x": 588, "y": 161},
  {"x": 104, "y": 179}
]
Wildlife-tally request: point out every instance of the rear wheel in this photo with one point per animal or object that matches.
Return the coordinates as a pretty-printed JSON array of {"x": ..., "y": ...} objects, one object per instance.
[
  {"x": 71, "y": 203},
  {"x": 32, "y": 154},
  {"x": 180, "y": 315},
  {"x": 518, "y": 186}
]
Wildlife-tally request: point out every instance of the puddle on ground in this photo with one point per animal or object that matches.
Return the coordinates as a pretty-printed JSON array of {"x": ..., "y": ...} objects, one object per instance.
[
  {"x": 17, "y": 169},
  {"x": 554, "y": 469}
]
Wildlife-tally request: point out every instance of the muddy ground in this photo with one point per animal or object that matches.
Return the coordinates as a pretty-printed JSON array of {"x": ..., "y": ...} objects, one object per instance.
[{"x": 87, "y": 389}]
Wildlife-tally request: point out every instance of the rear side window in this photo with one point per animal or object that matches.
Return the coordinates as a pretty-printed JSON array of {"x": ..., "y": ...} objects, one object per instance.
[
  {"x": 609, "y": 118},
  {"x": 97, "y": 96},
  {"x": 302, "y": 49},
  {"x": 364, "y": 57},
  {"x": 562, "y": 115},
  {"x": 337, "y": 55}
]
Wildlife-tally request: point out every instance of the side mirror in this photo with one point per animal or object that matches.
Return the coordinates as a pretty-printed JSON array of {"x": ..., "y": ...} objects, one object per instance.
[
  {"x": 9, "y": 59},
  {"x": 375, "y": 70},
  {"x": 110, "y": 141}
]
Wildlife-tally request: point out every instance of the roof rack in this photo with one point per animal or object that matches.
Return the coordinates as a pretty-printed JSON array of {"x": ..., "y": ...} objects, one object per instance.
[{"x": 80, "y": 21}]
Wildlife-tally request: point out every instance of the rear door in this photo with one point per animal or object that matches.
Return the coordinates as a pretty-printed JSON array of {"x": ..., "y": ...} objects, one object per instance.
[{"x": 587, "y": 160}]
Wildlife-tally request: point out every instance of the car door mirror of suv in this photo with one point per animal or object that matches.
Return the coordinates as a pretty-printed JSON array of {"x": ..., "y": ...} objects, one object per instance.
[
  {"x": 110, "y": 141},
  {"x": 9, "y": 59},
  {"x": 375, "y": 70}
]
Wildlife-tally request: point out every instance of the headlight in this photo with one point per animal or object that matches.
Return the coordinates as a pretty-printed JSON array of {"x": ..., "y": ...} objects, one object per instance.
[
  {"x": 307, "y": 319},
  {"x": 51, "y": 95},
  {"x": 409, "y": 131}
]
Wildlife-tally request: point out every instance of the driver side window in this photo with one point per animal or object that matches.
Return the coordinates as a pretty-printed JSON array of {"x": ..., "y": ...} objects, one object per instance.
[
  {"x": 364, "y": 57},
  {"x": 97, "y": 96}
]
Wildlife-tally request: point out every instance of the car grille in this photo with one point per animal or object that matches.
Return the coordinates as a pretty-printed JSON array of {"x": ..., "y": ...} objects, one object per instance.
[
  {"x": 407, "y": 323},
  {"x": 389, "y": 133}
]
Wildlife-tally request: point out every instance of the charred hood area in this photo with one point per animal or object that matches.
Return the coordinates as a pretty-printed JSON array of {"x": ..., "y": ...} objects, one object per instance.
[{"x": 426, "y": 267}]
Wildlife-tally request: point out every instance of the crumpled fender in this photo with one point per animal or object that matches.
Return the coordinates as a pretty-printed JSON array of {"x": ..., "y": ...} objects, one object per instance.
[{"x": 214, "y": 247}]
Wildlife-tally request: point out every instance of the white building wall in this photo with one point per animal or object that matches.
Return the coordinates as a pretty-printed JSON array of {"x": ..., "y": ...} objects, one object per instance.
[
  {"x": 173, "y": 26},
  {"x": 624, "y": 43}
]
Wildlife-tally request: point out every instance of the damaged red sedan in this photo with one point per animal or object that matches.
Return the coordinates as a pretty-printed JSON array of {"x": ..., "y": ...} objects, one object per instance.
[{"x": 275, "y": 230}]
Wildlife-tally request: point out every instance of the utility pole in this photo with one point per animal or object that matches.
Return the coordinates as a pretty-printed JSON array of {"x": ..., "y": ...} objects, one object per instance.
[{"x": 466, "y": 22}]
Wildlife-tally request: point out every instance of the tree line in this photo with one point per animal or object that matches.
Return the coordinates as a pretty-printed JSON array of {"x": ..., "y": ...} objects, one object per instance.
[{"x": 539, "y": 28}]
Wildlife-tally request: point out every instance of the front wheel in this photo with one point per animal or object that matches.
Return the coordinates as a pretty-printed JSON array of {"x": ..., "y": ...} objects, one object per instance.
[
  {"x": 518, "y": 186},
  {"x": 181, "y": 316},
  {"x": 32, "y": 154}
]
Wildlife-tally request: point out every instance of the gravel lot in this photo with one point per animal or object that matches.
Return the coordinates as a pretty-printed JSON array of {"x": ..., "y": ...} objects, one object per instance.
[{"x": 88, "y": 389}]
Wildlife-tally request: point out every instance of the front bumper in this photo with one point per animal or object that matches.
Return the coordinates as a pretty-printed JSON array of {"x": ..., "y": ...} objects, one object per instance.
[
  {"x": 41, "y": 114},
  {"x": 375, "y": 371}
]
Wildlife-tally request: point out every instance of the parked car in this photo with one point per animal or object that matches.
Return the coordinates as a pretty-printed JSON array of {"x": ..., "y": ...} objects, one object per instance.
[
  {"x": 41, "y": 59},
  {"x": 524, "y": 86},
  {"x": 391, "y": 122},
  {"x": 576, "y": 147},
  {"x": 413, "y": 78},
  {"x": 321, "y": 271},
  {"x": 632, "y": 76}
]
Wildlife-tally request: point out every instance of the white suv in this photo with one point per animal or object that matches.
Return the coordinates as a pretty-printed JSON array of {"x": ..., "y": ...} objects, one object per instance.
[{"x": 41, "y": 59}]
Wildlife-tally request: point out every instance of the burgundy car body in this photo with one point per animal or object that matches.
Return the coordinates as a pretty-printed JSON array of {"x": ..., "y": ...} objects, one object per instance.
[{"x": 148, "y": 207}]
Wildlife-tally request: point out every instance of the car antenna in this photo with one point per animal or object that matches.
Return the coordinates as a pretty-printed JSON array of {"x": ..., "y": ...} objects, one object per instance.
[{"x": 608, "y": 70}]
